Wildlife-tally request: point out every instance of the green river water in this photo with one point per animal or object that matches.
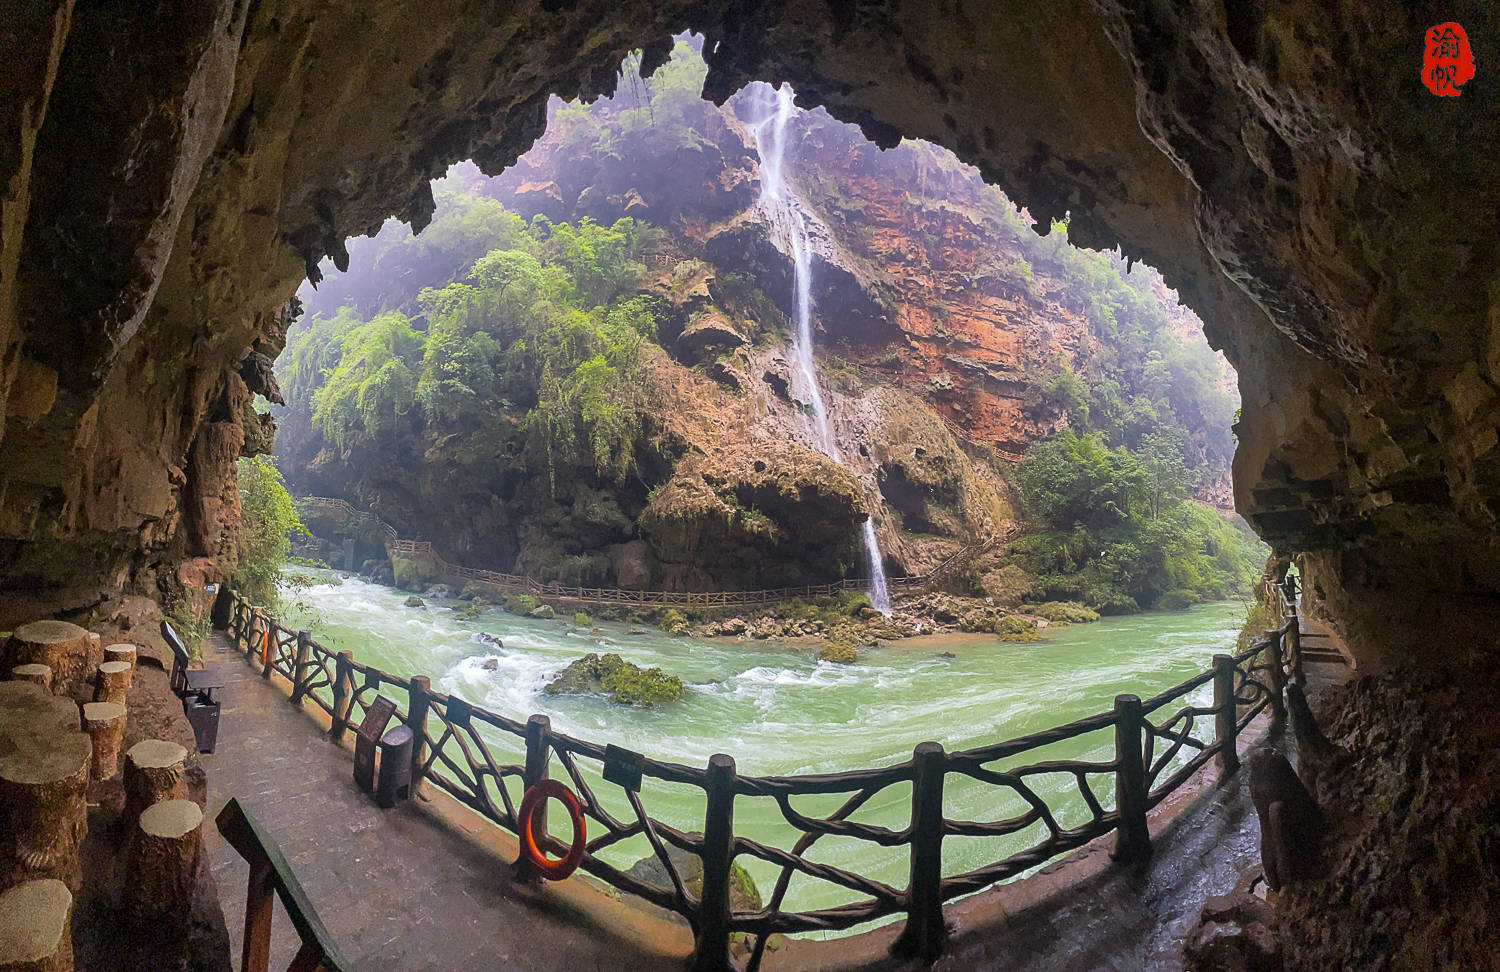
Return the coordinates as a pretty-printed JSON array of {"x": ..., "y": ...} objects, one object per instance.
[{"x": 777, "y": 710}]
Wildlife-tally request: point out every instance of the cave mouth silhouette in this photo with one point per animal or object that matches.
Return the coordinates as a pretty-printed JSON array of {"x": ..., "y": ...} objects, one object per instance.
[{"x": 1293, "y": 199}]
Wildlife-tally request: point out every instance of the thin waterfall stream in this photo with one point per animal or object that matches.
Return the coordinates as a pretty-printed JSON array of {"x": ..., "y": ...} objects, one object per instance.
[{"x": 774, "y": 108}]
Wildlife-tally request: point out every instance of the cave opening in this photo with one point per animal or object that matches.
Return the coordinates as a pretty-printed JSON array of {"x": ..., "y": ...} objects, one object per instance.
[
  {"x": 948, "y": 335},
  {"x": 1324, "y": 213}
]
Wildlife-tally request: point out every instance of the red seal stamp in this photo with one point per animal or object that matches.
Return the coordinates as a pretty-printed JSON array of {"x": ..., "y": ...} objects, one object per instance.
[{"x": 1447, "y": 59}]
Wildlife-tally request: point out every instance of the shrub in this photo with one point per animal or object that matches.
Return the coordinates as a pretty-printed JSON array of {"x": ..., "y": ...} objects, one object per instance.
[
  {"x": 674, "y": 622},
  {"x": 1176, "y": 600},
  {"x": 1016, "y": 629},
  {"x": 522, "y": 604},
  {"x": 582, "y": 620}
]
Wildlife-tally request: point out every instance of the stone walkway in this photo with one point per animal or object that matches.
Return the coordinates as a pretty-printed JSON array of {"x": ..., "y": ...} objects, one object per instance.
[
  {"x": 404, "y": 889},
  {"x": 398, "y": 889}
]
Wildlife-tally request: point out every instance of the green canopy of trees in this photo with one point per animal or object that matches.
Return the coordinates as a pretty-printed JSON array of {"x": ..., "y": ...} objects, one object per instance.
[
  {"x": 1115, "y": 528},
  {"x": 547, "y": 322}
]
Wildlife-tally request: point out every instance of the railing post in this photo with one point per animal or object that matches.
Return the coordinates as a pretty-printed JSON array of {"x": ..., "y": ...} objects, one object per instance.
[
  {"x": 268, "y": 649},
  {"x": 250, "y": 627},
  {"x": 711, "y": 953},
  {"x": 299, "y": 672},
  {"x": 260, "y": 908},
  {"x": 1226, "y": 716},
  {"x": 1294, "y": 632},
  {"x": 1132, "y": 838},
  {"x": 538, "y": 754},
  {"x": 925, "y": 934},
  {"x": 416, "y": 720},
  {"x": 1278, "y": 683},
  {"x": 343, "y": 695}
]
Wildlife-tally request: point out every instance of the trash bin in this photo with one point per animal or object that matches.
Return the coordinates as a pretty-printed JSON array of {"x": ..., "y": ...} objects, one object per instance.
[
  {"x": 203, "y": 715},
  {"x": 394, "y": 782}
]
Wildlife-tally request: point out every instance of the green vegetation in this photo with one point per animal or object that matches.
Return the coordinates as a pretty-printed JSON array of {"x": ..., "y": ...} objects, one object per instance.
[
  {"x": 582, "y": 620},
  {"x": 546, "y": 321},
  {"x": 188, "y": 624},
  {"x": 617, "y": 679},
  {"x": 521, "y": 604},
  {"x": 267, "y": 521},
  {"x": 1116, "y": 532}
]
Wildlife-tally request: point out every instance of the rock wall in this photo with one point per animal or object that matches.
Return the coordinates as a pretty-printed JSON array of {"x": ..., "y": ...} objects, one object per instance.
[{"x": 1323, "y": 212}]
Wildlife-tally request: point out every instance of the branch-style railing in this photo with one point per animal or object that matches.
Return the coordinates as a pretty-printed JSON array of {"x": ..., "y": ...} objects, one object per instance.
[
  {"x": 271, "y": 875},
  {"x": 513, "y": 584},
  {"x": 1157, "y": 748}
]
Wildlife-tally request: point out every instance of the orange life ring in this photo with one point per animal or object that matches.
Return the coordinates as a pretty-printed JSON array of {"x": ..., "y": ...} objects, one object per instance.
[{"x": 535, "y": 796}]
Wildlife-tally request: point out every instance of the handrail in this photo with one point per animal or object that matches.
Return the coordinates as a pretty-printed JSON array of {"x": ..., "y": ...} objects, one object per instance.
[
  {"x": 270, "y": 873},
  {"x": 1151, "y": 760},
  {"x": 510, "y": 584}
]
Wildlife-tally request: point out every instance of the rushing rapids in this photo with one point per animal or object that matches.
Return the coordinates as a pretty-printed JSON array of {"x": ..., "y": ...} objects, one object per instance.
[
  {"x": 773, "y": 109},
  {"x": 779, "y": 711}
]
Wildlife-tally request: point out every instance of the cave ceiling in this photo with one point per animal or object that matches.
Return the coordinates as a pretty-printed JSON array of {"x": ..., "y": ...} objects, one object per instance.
[{"x": 169, "y": 174}]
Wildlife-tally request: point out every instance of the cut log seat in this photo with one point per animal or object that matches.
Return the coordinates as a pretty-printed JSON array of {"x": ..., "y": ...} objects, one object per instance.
[
  {"x": 35, "y": 932},
  {"x": 44, "y": 775},
  {"x": 61, "y": 646}
]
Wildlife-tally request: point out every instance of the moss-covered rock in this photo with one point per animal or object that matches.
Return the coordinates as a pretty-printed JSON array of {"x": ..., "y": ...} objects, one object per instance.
[
  {"x": 674, "y": 622},
  {"x": 1016, "y": 629},
  {"x": 413, "y": 574},
  {"x": 543, "y": 612},
  {"x": 612, "y": 677},
  {"x": 841, "y": 653},
  {"x": 1064, "y": 612},
  {"x": 582, "y": 620},
  {"x": 743, "y": 894}
]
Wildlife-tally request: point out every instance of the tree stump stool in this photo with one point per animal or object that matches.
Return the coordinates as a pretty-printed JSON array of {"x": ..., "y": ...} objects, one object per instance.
[
  {"x": 124, "y": 652},
  {"x": 153, "y": 774},
  {"x": 34, "y": 927},
  {"x": 44, "y": 776},
  {"x": 105, "y": 724},
  {"x": 61, "y": 646},
  {"x": 163, "y": 865},
  {"x": 93, "y": 657},
  {"x": 34, "y": 673},
  {"x": 112, "y": 684}
]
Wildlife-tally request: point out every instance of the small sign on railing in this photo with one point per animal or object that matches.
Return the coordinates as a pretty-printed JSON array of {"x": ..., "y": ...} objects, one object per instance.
[{"x": 366, "y": 737}]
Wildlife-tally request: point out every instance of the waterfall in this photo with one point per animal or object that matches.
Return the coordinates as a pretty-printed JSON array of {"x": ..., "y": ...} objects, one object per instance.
[{"x": 772, "y": 110}]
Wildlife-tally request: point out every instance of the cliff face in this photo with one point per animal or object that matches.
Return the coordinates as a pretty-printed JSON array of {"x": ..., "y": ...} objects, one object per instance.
[{"x": 937, "y": 341}]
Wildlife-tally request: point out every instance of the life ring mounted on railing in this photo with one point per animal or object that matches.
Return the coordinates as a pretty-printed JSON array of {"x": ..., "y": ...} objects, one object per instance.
[{"x": 533, "y": 799}]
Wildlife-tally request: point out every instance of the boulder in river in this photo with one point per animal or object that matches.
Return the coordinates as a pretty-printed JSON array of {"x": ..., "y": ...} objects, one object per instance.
[
  {"x": 490, "y": 639},
  {"x": 490, "y": 664},
  {"x": 616, "y": 679},
  {"x": 438, "y": 590},
  {"x": 415, "y": 601},
  {"x": 743, "y": 894}
]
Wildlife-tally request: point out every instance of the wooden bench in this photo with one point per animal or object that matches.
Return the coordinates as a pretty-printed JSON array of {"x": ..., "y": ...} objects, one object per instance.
[
  {"x": 186, "y": 681},
  {"x": 195, "y": 687}
]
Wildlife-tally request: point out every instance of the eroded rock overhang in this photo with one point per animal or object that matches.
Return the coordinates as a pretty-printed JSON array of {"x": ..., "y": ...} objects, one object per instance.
[{"x": 169, "y": 176}]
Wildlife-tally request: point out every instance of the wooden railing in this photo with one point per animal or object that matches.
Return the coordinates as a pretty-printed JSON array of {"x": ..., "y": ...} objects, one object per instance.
[
  {"x": 270, "y": 874},
  {"x": 513, "y": 584},
  {"x": 1156, "y": 750}
]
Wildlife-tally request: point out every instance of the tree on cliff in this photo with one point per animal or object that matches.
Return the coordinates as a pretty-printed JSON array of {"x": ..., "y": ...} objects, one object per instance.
[{"x": 267, "y": 522}]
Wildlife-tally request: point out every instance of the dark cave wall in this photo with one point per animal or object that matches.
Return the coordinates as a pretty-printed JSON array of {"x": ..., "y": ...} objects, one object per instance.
[{"x": 170, "y": 172}]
